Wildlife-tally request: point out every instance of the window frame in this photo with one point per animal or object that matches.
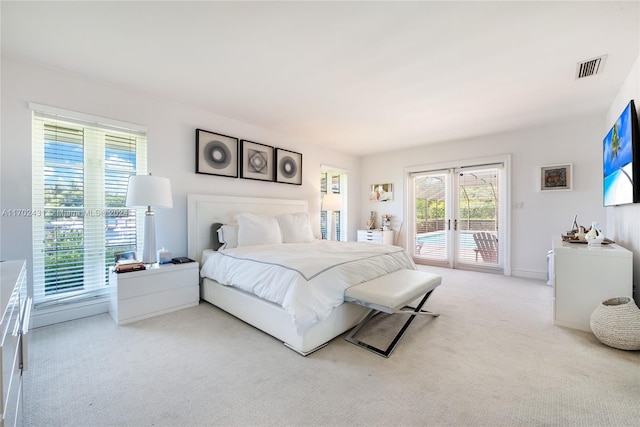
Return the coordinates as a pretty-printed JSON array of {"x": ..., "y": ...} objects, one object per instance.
[{"x": 97, "y": 133}]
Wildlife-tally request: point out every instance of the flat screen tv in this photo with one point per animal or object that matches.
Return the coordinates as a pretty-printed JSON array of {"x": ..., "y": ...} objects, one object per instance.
[{"x": 621, "y": 164}]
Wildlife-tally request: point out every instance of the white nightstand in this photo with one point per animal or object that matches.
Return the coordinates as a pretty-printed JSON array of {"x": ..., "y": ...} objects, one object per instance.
[
  {"x": 376, "y": 236},
  {"x": 161, "y": 289}
]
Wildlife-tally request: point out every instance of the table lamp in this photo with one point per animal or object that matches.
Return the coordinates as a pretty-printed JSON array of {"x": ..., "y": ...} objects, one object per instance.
[
  {"x": 145, "y": 191},
  {"x": 332, "y": 202}
]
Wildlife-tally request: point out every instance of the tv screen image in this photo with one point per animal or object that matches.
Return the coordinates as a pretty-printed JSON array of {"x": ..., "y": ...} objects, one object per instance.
[{"x": 621, "y": 167}]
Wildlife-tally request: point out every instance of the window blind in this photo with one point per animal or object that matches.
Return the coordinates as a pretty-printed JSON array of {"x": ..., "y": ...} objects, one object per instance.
[
  {"x": 80, "y": 174},
  {"x": 331, "y": 182}
]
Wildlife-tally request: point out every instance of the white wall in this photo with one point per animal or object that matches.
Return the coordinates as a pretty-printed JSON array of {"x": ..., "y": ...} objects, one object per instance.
[
  {"x": 543, "y": 214},
  {"x": 172, "y": 154},
  {"x": 623, "y": 222},
  {"x": 171, "y": 151}
]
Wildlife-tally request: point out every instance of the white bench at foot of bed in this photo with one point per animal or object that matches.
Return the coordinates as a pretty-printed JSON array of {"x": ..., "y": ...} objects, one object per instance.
[{"x": 391, "y": 294}]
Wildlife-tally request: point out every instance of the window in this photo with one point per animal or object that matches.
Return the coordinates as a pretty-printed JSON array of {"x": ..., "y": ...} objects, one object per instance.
[
  {"x": 81, "y": 166},
  {"x": 333, "y": 181}
]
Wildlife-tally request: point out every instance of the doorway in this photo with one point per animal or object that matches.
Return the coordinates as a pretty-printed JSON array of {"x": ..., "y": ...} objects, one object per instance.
[{"x": 458, "y": 216}]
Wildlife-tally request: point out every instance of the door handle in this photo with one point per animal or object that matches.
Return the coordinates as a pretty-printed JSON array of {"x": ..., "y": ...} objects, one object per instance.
[
  {"x": 455, "y": 224},
  {"x": 448, "y": 224}
]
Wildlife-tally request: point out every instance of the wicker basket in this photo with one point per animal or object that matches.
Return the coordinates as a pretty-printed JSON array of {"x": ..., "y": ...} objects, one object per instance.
[{"x": 616, "y": 323}]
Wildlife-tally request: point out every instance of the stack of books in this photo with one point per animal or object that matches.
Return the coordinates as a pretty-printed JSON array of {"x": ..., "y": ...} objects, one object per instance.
[{"x": 129, "y": 265}]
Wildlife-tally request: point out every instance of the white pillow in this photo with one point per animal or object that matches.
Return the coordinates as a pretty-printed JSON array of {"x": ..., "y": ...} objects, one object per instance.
[
  {"x": 296, "y": 228},
  {"x": 228, "y": 236},
  {"x": 257, "y": 230}
]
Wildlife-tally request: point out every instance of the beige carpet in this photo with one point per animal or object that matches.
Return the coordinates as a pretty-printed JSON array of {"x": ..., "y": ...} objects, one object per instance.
[{"x": 493, "y": 358}]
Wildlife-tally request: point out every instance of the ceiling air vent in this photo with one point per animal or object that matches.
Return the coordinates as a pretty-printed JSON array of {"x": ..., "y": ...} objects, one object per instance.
[{"x": 590, "y": 67}]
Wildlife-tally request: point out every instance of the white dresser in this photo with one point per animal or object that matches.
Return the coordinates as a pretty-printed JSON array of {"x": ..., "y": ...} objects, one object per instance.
[
  {"x": 16, "y": 308},
  {"x": 584, "y": 276},
  {"x": 161, "y": 289},
  {"x": 376, "y": 236}
]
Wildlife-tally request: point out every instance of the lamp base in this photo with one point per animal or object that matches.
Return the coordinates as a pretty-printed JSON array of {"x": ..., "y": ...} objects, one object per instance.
[
  {"x": 149, "y": 254},
  {"x": 333, "y": 235}
]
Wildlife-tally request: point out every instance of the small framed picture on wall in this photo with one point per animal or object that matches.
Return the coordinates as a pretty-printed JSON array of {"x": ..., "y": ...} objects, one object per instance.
[
  {"x": 381, "y": 192},
  {"x": 556, "y": 177}
]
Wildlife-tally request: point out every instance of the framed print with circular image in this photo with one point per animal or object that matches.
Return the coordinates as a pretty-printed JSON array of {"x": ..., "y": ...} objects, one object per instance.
[
  {"x": 256, "y": 161},
  {"x": 216, "y": 154},
  {"x": 288, "y": 167}
]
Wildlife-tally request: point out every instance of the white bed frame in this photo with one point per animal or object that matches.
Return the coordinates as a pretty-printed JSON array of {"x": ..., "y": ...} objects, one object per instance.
[{"x": 205, "y": 210}]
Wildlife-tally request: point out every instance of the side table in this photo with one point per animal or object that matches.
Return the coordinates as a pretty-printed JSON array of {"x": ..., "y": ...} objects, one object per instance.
[{"x": 157, "y": 290}]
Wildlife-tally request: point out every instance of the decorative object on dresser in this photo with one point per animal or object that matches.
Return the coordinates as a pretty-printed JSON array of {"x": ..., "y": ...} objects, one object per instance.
[
  {"x": 376, "y": 236},
  {"x": 156, "y": 290},
  {"x": 288, "y": 167},
  {"x": 16, "y": 312},
  {"x": 332, "y": 203},
  {"x": 256, "y": 161},
  {"x": 145, "y": 191},
  {"x": 386, "y": 222},
  {"x": 371, "y": 223},
  {"x": 381, "y": 192},
  {"x": 579, "y": 235},
  {"x": 583, "y": 276},
  {"x": 181, "y": 260},
  {"x": 574, "y": 226},
  {"x": 216, "y": 154},
  {"x": 125, "y": 256},
  {"x": 128, "y": 266},
  {"x": 594, "y": 236},
  {"x": 575, "y": 238},
  {"x": 164, "y": 256},
  {"x": 556, "y": 177},
  {"x": 616, "y": 323},
  {"x": 127, "y": 261}
]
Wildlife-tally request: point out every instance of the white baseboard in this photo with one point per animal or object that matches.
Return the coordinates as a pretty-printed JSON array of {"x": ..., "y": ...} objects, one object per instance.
[
  {"x": 65, "y": 312},
  {"x": 528, "y": 274}
]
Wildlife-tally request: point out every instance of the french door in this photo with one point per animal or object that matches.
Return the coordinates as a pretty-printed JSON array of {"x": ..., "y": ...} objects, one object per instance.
[{"x": 458, "y": 218}]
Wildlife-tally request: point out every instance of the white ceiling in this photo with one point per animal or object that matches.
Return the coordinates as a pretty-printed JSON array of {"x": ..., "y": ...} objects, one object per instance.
[{"x": 360, "y": 77}]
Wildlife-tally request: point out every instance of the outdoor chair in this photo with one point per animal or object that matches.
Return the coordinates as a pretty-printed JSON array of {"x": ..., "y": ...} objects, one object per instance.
[{"x": 486, "y": 246}]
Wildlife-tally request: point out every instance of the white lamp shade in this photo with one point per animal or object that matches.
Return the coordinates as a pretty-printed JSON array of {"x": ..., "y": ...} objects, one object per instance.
[
  {"x": 332, "y": 202},
  {"x": 147, "y": 190}
]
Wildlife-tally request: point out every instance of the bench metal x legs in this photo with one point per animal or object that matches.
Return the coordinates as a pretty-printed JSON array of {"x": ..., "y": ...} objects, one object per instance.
[{"x": 412, "y": 314}]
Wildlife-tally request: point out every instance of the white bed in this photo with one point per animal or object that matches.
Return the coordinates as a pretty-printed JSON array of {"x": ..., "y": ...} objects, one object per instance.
[{"x": 205, "y": 210}]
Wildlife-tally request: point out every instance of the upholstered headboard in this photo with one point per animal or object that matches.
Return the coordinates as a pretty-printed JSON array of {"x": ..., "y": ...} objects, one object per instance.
[{"x": 203, "y": 211}]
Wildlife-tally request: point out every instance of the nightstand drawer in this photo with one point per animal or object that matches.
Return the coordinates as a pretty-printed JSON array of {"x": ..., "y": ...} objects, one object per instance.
[
  {"x": 376, "y": 236},
  {"x": 159, "y": 279},
  {"x": 132, "y": 309}
]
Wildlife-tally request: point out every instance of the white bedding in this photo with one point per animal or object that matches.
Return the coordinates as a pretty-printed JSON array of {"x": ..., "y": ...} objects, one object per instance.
[{"x": 306, "y": 279}]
